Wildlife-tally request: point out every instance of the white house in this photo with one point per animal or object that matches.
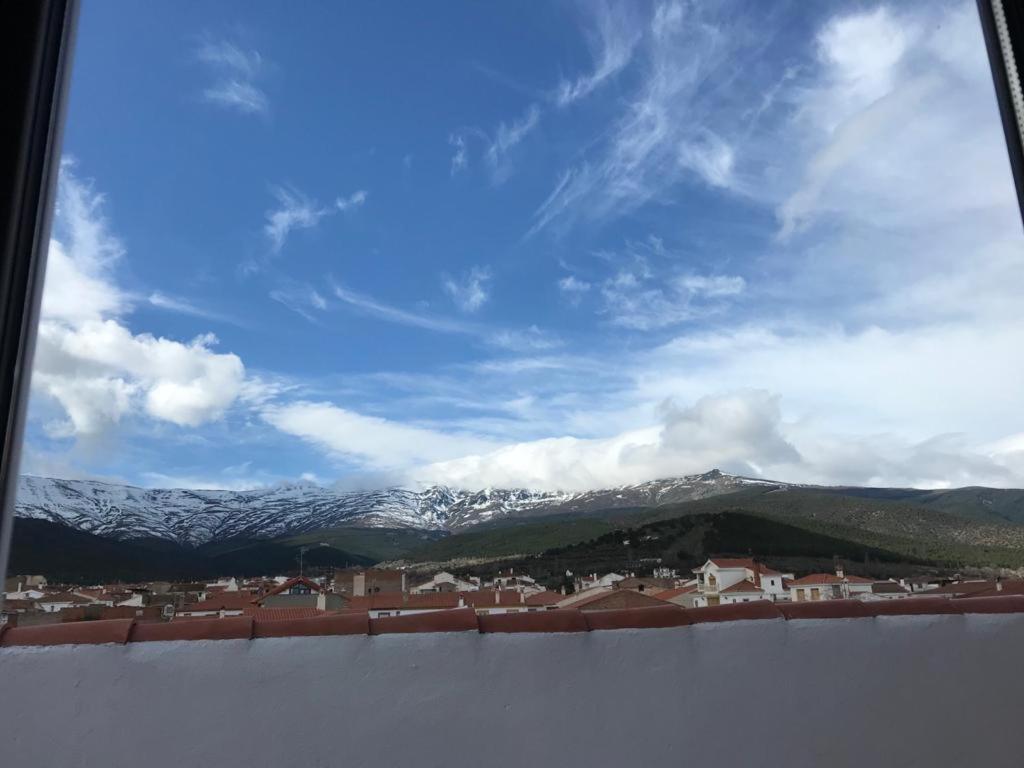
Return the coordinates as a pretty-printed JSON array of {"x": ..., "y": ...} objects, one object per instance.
[
  {"x": 829, "y": 586},
  {"x": 592, "y": 581},
  {"x": 719, "y": 574},
  {"x": 445, "y": 582},
  {"x": 741, "y": 592},
  {"x": 58, "y": 601}
]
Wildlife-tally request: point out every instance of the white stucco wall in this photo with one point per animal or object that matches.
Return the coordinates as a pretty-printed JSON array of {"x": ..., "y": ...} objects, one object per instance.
[{"x": 864, "y": 693}]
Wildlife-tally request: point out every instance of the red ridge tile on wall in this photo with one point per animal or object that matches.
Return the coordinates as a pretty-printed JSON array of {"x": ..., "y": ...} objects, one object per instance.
[
  {"x": 913, "y": 606},
  {"x": 658, "y": 617},
  {"x": 228, "y": 628},
  {"x": 338, "y": 624},
  {"x": 70, "y": 633},
  {"x": 825, "y": 609},
  {"x": 558, "y": 620},
  {"x": 995, "y": 604},
  {"x": 760, "y": 609},
  {"x": 456, "y": 620}
]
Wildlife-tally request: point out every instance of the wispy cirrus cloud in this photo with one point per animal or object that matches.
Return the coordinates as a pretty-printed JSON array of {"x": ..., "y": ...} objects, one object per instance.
[
  {"x": 612, "y": 41},
  {"x": 295, "y": 210},
  {"x": 573, "y": 288},
  {"x": 184, "y": 306},
  {"x": 235, "y": 71}
]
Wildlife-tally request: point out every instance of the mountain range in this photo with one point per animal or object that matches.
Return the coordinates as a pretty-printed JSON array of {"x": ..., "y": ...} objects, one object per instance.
[
  {"x": 196, "y": 517},
  {"x": 86, "y": 531}
]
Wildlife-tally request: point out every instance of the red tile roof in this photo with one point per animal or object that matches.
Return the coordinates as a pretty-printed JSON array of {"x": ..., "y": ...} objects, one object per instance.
[
  {"x": 1010, "y": 587},
  {"x": 486, "y": 598},
  {"x": 733, "y": 562},
  {"x": 859, "y": 580},
  {"x": 669, "y": 594},
  {"x": 562, "y": 620},
  {"x": 963, "y": 588},
  {"x": 384, "y": 601},
  {"x": 223, "y": 601},
  {"x": 743, "y": 586},
  {"x": 313, "y": 586},
  {"x": 617, "y": 599},
  {"x": 816, "y": 579},
  {"x": 64, "y": 597},
  {"x": 544, "y": 598}
]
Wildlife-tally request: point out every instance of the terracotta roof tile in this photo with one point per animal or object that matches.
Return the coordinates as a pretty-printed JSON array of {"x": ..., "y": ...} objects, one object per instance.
[
  {"x": 384, "y": 601},
  {"x": 668, "y": 594},
  {"x": 559, "y": 620},
  {"x": 346, "y": 623},
  {"x": 733, "y": 562},
  {"x": 743, "y": 586},
  {"x": 617, "y": 599},
  {"x": 458, "y": 620},
  {"x": 285, "y": 586},
  {"x": 816, "y": 579},
  {"x": 656, "y": 617},
  {"x": 758, "y": 609},
  {"x": 223, "y": 601}
]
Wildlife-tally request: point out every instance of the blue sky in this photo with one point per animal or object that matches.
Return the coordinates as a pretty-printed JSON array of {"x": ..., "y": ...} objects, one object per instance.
[{"x": 556, "y": 245}]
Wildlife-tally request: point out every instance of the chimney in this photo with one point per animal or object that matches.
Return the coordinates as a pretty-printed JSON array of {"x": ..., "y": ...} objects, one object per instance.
[
  {"x": 321, "y": 601},
  {"x": 404, "y": 585},
  {"x": 497, "y": 596},
  {"x": 522, "y": 597},
  {"x": 999, "y": 583},
  {"x": 839, "y": 570}
]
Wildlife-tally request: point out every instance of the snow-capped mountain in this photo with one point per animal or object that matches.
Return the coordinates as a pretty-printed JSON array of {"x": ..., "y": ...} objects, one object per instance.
[{"x": 197, "y": 517}]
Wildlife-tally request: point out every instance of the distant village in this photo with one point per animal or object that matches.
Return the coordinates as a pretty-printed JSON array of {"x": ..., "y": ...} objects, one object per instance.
[{"x": 32, "y": 600}]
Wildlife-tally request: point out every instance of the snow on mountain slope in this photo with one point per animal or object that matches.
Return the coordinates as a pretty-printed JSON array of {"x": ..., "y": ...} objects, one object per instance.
[{"x": 197, "y": 517}]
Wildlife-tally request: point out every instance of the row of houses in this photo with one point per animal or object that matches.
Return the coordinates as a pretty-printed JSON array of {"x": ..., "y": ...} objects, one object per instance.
[{"x": 384, "y": 593}]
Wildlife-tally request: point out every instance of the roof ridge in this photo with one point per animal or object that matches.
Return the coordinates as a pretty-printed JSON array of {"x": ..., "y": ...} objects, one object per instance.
[{"x": 123, "y": 631}]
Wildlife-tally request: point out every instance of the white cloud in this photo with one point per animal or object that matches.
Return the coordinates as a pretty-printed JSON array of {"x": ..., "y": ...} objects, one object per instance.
[
  {"x": 461, "y": 158},
  {"x": 637, "y": 298},
  {"x": 301, "y": 299},
  {"x": 370, "y": 306},
  {"x": 713, "y": 286},
  {"x": 573, "y": 289},
  {"x": 89, "y": 362},
  {"x": 470, "y": 292},
  {"x": 235, "y": 73},
  {"x": 739, "y": 431},
  {"x": 368, "y": 440},
  {"x": 612, "y": 40},
  {"x": 294, "y": 211},
  {"x": 185, "y": 307},
  {"x": 662, "y": 136},
  {"x": 355, "y": 200}
]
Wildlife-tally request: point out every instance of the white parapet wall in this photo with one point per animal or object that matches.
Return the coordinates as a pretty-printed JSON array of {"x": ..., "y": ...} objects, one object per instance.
[{"x": 865, "y": 693}]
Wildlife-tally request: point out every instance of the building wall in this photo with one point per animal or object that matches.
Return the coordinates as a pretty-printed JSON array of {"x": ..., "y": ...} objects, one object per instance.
[{"x": 907, "y": 691}]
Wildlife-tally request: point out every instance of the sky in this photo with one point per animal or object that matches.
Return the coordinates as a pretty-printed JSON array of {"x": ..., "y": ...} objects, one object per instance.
[{"x": 550, "y": 245}]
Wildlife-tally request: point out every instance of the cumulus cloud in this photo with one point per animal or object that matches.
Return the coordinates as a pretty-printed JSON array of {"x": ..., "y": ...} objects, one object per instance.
[
  {"x": 470, "y": 291},
  {"x": 738, "y": 431},
  {"x": 235, "y": 71},
  {"x": 89, "y": 362}
]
